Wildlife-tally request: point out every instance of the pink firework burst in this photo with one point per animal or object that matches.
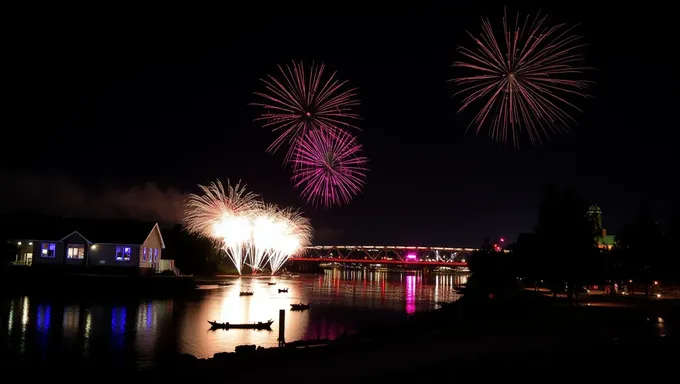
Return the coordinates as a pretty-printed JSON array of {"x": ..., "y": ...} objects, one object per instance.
[
  {"x": 523, "y": 83},
  {"x": 299, "y": 101},
  {"x": 328, "y": 167}
]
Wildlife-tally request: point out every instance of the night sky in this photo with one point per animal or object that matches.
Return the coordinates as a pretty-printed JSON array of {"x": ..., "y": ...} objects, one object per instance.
[{"x": 122, "y": 112}]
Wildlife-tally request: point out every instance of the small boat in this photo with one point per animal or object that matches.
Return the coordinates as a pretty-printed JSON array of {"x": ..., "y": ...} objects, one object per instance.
[
  {"x": 271, "y": 283},
  {"x": 245, "y": 294},
  {"x": 299, "y": 307},
  {"x": 284, "y": 290},
  {"x": 258, "y": 325}
]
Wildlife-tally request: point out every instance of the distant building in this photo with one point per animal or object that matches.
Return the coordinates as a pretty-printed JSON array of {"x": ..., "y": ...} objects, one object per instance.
[
  {"x": 88, "y": 244},
  {"x": 594, "y": 216}
]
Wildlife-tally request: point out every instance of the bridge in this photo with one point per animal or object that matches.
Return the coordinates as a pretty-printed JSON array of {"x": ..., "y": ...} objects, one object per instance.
[{"x": 387, "y": 254}]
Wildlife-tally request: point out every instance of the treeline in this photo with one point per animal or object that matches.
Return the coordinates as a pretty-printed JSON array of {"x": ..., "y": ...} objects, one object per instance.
[
  {"x": 562, "y": 252},
  {"x": 192, "y": 255}
]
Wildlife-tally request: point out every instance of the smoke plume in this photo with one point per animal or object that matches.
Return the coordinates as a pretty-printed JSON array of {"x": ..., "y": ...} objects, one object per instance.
[{"x": 51, "y": 194}]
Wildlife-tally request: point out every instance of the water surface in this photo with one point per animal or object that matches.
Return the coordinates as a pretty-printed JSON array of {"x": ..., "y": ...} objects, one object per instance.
[{"x": 140, "y": 332}]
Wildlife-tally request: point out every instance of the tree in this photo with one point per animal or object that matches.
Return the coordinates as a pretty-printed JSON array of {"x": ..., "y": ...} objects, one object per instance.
[
  {"x": 670, "y": 246},
  {"x": 639, "y": 247},
  {"x": 528, "y": 257},
  {"x": 492, "y": 272},
  {"x": 564, "y": 236},
  {"x": 191, "y": 254}
]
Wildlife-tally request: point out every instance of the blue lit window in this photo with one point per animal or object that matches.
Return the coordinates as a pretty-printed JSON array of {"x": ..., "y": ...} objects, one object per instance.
[
  {"x": 155, "y": 255},
  {"x": 144, "y": 254},
  {"x": 122, "y": 253},
  {"x": 49, "y": 250}
]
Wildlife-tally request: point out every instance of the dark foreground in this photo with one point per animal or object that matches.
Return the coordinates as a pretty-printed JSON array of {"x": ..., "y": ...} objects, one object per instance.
[{"x": 524, "y": 337}]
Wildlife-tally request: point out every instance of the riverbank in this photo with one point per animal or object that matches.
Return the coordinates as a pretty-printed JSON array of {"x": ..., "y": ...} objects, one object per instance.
[
  {"x": 28, "y": 281},
  {"x": 530, "y": 334}
]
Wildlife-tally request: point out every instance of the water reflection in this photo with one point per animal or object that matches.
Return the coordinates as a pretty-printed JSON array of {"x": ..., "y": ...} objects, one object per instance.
[
  {"x": 71, "y": 319},
  {"x": 410, "y": 294},
  {"x": 44, "y": 317},
  {"x": 118, "y": 319},
  {"x": 140, "y": 332}
]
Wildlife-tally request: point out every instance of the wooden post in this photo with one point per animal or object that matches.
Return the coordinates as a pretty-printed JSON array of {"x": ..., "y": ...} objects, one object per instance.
[{"x": 282, "y": 328}]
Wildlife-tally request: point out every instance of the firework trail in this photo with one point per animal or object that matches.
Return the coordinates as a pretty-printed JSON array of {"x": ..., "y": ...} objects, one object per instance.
[
  {"x": 523, "y": 84},
  {"x": 328, "y": 167},
  {"x": 299, "y": 101},
  {"x": 294, "y": 232},
  {"x": 225, "y": 216}
]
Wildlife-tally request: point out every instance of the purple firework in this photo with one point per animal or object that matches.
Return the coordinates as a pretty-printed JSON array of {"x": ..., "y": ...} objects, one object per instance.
[
  {"x": 328, "y": 167},
  {"x": 301, "y": 100}
]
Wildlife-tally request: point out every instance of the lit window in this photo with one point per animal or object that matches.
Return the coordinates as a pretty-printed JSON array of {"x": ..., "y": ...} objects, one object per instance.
[
  {"x": 144, "y": 254},
  {"x": 49, "y": 250},
  {"x": 75, "y": 251},
  {"x": 122, "y": 253},
  {"x": 155, "y": 255}
]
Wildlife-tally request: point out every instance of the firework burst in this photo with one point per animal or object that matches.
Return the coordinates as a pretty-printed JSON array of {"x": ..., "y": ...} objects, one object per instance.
[
  {"x": 293, "y": 233},
  {"x": 523, "y": 83},
  {"x": 299, "y": 101},
  {"x": 265, "y": 229},
  {"x": 249, "y": 231},
  {"x": 328, "y": 167},
  {"x": 223, "y": 215}
]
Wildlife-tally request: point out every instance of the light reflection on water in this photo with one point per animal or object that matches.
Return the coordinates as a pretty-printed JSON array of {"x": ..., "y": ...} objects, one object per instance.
[{"x": 136, "y": 333}]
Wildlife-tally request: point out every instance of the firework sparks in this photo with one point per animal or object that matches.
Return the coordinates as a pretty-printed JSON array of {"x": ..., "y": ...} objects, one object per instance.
[
  {"x": 293, "y": 233},
  {"x": 522, "y": 86},
  {"x": 223, "y": 215},
  {"x": 265, "y": 230},
  {"x": 301, "y": 100},
  {"x": 248, "y": 230},
  {"x": 328, "y": 167}
]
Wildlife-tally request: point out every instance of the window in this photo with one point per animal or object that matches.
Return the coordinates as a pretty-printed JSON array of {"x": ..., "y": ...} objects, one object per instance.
[
  {"x": 155, "y": 255},
  {"x": 122, "y": 253},
  {"x": 75, "y": 251},
  {"x": 49, "y": 250},
  {"x": 144, "y": 254}
]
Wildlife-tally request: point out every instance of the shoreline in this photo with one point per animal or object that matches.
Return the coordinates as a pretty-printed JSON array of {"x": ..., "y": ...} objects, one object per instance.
[
  {"x": 57, "y": 283},
  {"x": 550, "y": 329}
]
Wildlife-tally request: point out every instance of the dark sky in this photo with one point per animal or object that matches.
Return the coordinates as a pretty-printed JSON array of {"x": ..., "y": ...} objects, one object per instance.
[{"x": 124, "y": 111}]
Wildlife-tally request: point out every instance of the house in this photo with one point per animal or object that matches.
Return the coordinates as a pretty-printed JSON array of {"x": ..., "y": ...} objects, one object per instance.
[{"x": 89, "y": 244}]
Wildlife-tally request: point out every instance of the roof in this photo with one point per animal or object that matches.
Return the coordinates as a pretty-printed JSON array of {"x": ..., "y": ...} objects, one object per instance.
[{"x": 115, "y": 231}]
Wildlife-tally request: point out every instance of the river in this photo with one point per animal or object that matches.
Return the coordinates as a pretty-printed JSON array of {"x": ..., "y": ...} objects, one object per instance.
[{"x": 139, "y": 333}]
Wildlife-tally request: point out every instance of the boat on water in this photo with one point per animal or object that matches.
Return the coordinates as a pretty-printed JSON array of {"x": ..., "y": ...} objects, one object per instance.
[
  {"x": 299, "y": 307},
  {"x": 258, "y": 325},
  {"x": 284, "y": 290},
  {"x": 272, "y": 283},
  {"x": 245, "y": 294}
]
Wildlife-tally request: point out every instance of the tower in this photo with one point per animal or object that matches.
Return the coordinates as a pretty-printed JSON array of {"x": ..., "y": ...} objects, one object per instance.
[{"x": 594, "y": 216}]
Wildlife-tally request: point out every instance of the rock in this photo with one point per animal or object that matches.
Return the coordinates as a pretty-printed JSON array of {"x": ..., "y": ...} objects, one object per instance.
[
  {"x": 245, "y": 349},
  {"x": 221, "y": 356}
]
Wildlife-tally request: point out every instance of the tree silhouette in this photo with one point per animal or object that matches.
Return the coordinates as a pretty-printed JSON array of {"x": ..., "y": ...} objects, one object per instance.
[
  {"x": 561, "y": 244},
  {"x": 639, "y": 247},
  {"x": 670, "y": 250},
  {"x": 191, "y": 254}
]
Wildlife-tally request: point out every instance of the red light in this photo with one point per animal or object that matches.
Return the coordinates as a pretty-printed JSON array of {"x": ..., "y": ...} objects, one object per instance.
[{"x": 502, "y": 240}]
